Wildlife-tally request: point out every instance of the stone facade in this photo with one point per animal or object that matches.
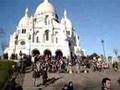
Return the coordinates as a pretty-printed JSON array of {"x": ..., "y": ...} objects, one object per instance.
[{"x": 45, "y": 32}]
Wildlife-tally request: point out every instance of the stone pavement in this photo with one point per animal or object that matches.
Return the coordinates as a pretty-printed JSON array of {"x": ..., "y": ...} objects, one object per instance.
[{"x": 82, "y": 81}]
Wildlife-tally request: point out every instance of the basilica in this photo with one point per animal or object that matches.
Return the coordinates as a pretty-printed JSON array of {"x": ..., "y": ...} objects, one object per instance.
[{"x": 43, "y": 31}]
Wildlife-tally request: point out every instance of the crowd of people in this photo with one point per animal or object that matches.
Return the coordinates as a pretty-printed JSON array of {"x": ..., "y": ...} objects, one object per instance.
[
  {"x": 75, "y": 64},
  {"x": 41, "y": 65}
]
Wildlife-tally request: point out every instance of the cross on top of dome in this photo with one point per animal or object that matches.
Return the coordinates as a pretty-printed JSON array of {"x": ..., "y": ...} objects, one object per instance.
[
  {"x": 45, "y": 0},
  {"x": 65, "y": 13},
  {"x": 26, "y": 10}
]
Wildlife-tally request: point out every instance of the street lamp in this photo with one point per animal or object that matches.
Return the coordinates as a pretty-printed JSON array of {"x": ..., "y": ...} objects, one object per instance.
[{"x": 102, "y": 41}]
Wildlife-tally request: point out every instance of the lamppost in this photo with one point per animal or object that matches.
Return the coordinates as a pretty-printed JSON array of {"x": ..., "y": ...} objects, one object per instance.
[{"x": 102, "y": 41}]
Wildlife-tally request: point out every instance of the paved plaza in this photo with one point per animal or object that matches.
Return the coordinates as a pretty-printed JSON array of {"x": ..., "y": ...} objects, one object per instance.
[{"x": 82, "y": 81}]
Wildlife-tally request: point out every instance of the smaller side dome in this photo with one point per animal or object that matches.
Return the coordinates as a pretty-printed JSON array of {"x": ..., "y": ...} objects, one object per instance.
[
  {"x": 65, "y": 21},
  {"x": 68, "y": 23},
  {"x": 24, "y": 22}
]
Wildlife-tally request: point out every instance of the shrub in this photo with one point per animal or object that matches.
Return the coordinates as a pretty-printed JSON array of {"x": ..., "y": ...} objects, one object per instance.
[{"x": 5, "y": 67}]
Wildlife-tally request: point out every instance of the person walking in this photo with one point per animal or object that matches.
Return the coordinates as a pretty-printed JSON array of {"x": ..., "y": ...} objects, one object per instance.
[
  {"x": 44, "y": 74},
  {"x": 36, "y": 66},
  {"x": 65, "y": 87},
  {"x": 70, "y": 86}
]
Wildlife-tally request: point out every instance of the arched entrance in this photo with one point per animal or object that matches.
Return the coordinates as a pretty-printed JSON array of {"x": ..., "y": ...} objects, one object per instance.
[
  {"x": 35, "y": 51},
  {"x": 47, "y": 55},
  {"x": 47, "y": 52},
  {"x": 58, "y": 54}
]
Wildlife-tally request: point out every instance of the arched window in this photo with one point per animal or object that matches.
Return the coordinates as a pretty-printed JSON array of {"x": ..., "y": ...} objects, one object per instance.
[
  {"x": 23, "y": 31},
  {"x": 46, "y": 35},
  {"x": 46, "y": 19},
  {"x": 37, "y": 39}
]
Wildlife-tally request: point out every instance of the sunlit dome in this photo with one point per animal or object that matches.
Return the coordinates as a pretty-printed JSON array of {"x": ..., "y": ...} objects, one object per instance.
[
  {"x": 25, "y": 19},
  {"x": 45, "y": 7},
  {"x": 65, "y": 21}
]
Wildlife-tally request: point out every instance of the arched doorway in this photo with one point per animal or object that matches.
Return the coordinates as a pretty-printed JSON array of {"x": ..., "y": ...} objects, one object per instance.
[
  {"x": 47, "y": 52},
  {"x": 47, "y": 55},
  {"x": 35, "y": 51},
  {"x": 58, "y": 54}
]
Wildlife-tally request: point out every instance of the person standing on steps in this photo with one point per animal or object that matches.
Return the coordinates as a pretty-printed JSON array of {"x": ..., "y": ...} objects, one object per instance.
[
  {"x": 106, "y": 84},
  {"x": 70, "y": 86},
  {"x": 35, "y": 66}
]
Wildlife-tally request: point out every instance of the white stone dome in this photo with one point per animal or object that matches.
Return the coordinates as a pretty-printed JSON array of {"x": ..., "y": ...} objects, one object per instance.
[
  {"x": 45, "y": 7},
  {"x": 68, "y": 23},
  {"x": 65, "y": 21},
  {"x": 24, "y": 20}
]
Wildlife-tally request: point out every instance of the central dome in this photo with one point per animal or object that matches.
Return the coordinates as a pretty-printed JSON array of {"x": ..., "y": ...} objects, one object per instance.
[{"x": 45, "y": 7}]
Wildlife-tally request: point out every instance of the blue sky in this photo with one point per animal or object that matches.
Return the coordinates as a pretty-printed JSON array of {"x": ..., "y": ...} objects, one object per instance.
[{"x": 93, "y": 20}]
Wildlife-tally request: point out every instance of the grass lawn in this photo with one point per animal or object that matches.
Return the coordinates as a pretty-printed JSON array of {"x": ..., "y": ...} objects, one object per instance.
[{"x": 5, "y": 67}]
